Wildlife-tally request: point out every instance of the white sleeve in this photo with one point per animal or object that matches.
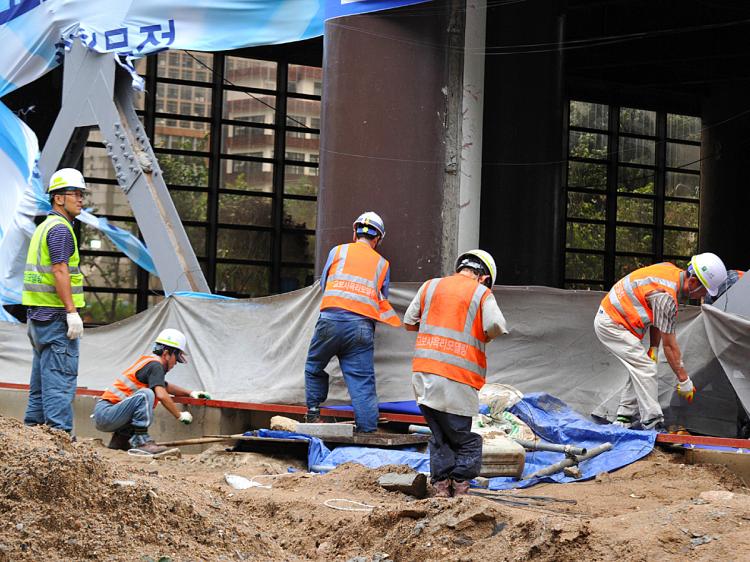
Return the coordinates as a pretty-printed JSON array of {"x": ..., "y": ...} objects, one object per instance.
[
  {"x": 414, "y": 313},
  {"x": 493, "y": 321}
]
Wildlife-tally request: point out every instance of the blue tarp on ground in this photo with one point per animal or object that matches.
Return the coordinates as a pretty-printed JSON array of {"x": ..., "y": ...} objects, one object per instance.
[{"x": 550, "y": 418}]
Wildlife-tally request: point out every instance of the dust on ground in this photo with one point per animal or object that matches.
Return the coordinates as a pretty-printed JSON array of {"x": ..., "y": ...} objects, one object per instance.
[{"x": 76, "y": 501}]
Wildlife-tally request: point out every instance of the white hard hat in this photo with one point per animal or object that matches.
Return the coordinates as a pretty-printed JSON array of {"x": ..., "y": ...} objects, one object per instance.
[
  {"x": 484, "y": 258},
  {"x": 66, "y": 178},
  {"x": 369, "y": 223},
  {"x": 710, "y": 271},
  {"x": 174, "y": 339}
]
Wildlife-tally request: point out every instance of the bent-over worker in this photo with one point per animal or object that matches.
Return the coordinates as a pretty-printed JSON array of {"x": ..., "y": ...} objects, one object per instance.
[
  {"x": 127, "y": 408},
  {"x": 647, "y": 301},
  {"x": 455, "y": 316},
  {"x": 355, "y": 283}
]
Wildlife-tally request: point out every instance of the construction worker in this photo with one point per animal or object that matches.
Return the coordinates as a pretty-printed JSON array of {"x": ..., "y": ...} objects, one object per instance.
[
  {"x": 733, "y": 275},
  {"x": 53, "y": 292},
  {"x": 355, "y": 283},
  {"x": 647, "y": 301},
  {"x": 455, "y": 316},
  {"x": 127, "y": 408}
]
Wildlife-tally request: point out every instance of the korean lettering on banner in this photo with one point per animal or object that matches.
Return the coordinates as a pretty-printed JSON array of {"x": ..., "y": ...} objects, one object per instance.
[{"x": 137, "y": 41}]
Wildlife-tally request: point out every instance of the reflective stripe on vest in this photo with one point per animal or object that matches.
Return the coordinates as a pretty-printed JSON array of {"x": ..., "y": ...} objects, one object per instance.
[
  {"x": 451, "y": 335},
  {"x": 39, "y": 279},
  {"x": 355, "y": 277},
  {"x": 127, "y": 383},
  {"x": 626, "y": 302}
]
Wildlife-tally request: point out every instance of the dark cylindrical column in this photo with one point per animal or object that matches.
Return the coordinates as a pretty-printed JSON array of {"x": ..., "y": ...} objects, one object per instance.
[
  {"x": 384, "y": 105},
  {"x": 523, "y": 162},
  {"x": 725, "y": 197}
]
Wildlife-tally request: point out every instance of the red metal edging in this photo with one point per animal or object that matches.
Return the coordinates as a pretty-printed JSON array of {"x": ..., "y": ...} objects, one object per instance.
[
  {"x": 702, "y": 440},
  {"x": 252, "y": 406}
]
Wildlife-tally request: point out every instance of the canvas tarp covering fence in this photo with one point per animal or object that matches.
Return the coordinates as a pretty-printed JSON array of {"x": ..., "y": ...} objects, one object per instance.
[{"x": 254, "y": 351}]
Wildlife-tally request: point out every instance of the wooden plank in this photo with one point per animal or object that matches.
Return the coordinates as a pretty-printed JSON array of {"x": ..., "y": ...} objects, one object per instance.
[
  {"x": 702, "y": 440},
  {"x": 253, "y": 406}
]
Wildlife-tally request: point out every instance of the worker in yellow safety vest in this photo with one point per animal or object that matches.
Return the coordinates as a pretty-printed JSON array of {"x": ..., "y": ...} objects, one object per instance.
[
  {"x": 53, "y": 292},
  {"x": 355, "y": 283},
  {"x": 647, "y": 301},
  {"x": 455, "y": 316},
  {"x": 127, "y": 407}
]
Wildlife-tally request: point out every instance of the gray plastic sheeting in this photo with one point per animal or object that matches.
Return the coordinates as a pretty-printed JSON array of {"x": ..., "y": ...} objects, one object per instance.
[{"x": 254, "y": 351}]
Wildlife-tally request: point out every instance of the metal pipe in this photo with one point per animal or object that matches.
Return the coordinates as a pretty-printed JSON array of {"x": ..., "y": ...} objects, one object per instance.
[
  {"x": 420, "y": 429},
  {"x": 557, "y": 467},
  {"x": 552, "y": 447}
]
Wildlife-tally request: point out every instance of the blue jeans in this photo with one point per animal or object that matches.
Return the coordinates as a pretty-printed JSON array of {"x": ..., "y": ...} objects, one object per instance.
[
  {"x": 352, "y": 341},
  {"x": 136, "y": 411},
  {"x": 54, "y": 374}
]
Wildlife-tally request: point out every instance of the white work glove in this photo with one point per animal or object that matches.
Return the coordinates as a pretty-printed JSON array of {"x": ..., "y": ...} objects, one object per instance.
[
  {"x": 686, "y": 390},
  {"x": 198, "y": 394},
  {"x": 186, "y": 418},
  {"x": 75, "y": 325}
]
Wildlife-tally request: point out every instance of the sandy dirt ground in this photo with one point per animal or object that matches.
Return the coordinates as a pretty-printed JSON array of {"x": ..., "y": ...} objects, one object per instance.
[{"x": 77, "y": 501}]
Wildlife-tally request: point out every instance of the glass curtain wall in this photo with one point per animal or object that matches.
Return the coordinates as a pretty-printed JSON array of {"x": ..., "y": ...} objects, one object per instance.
[
  {"x": 633, "y": 191},
  {"x": 238, "y": 141}
]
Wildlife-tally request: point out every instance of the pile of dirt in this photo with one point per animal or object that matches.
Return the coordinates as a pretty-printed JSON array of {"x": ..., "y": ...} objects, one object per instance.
[
  {"x": 61, "y": 500},
  {"x": 71, "y": 501}
]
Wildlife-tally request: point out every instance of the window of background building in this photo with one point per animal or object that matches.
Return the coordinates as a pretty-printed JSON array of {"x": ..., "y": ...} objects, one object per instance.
[
  {"x": 632, "y": 191},
  {"x": 240, "y": 160}
]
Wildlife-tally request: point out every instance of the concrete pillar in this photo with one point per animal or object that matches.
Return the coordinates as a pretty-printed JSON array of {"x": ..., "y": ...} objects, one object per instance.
[
  {"x": 393, "y": 139},
  {"x": 725, "y": 197},
  {"x": 523, "y": 166}
]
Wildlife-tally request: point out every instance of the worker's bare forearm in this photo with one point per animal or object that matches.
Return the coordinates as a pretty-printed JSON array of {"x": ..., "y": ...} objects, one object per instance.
[
  {"x": 175, "y": 390},
  {"x": 674, "y": 356},
  {"x": 166, "y": 399},
  {"x": 411, "y": 327},
  {"x": 62, "y": 285}
]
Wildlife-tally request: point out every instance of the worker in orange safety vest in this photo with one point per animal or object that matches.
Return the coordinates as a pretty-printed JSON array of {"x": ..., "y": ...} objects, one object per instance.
[
  {"x": 455, "y": 316},
  {"x": 127, "y": 407},
  {"x": 647, "y": 301},
  {"x": 355, "y": 283}
]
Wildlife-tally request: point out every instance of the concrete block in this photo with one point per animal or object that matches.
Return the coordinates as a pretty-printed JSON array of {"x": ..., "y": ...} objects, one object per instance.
[
  {"x": 411, "y": 484},
  {"x": 326, "y": 430}
]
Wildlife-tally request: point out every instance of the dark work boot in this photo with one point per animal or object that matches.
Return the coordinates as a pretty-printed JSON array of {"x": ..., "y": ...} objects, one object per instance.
[
  {"x": 150, "y": 448},
  {"x": 460, "y": 488},
  {"x": 442, "y": 488},
  {"x": 313, "y": 416},
  {"x": 120, "y": 441}
]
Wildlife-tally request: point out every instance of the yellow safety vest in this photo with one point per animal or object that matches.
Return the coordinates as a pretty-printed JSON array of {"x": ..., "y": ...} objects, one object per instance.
[{"x": 38, "y": 279}]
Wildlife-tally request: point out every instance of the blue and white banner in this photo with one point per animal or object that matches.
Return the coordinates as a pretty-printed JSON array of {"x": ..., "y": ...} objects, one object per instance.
[
  {"x": 34, "y": 33},
  {"x": 338, "y": 8}
]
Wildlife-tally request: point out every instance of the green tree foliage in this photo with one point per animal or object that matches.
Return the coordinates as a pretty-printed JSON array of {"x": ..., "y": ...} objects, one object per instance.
[{"x": 635, "y": 190}]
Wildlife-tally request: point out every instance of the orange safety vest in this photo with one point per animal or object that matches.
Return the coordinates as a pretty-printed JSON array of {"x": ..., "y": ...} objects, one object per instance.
[
  {"x": 626, "y": 302},
  {"x": 451, "y": 335},
  {"x": 740, "y": 274},
  {"x": 355, "y": 277},
  {"x": 127, "y": 383}
]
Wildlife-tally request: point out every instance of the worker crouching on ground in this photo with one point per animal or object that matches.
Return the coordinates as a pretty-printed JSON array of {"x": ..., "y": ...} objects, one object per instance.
[
  {"x": 355, "y": 283},
  {"x": 127, "y": 408},
  {"x": 53, "y": 291},
  {"x": 455, "y": 316},
  {"x": 647, "y": 301}
]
